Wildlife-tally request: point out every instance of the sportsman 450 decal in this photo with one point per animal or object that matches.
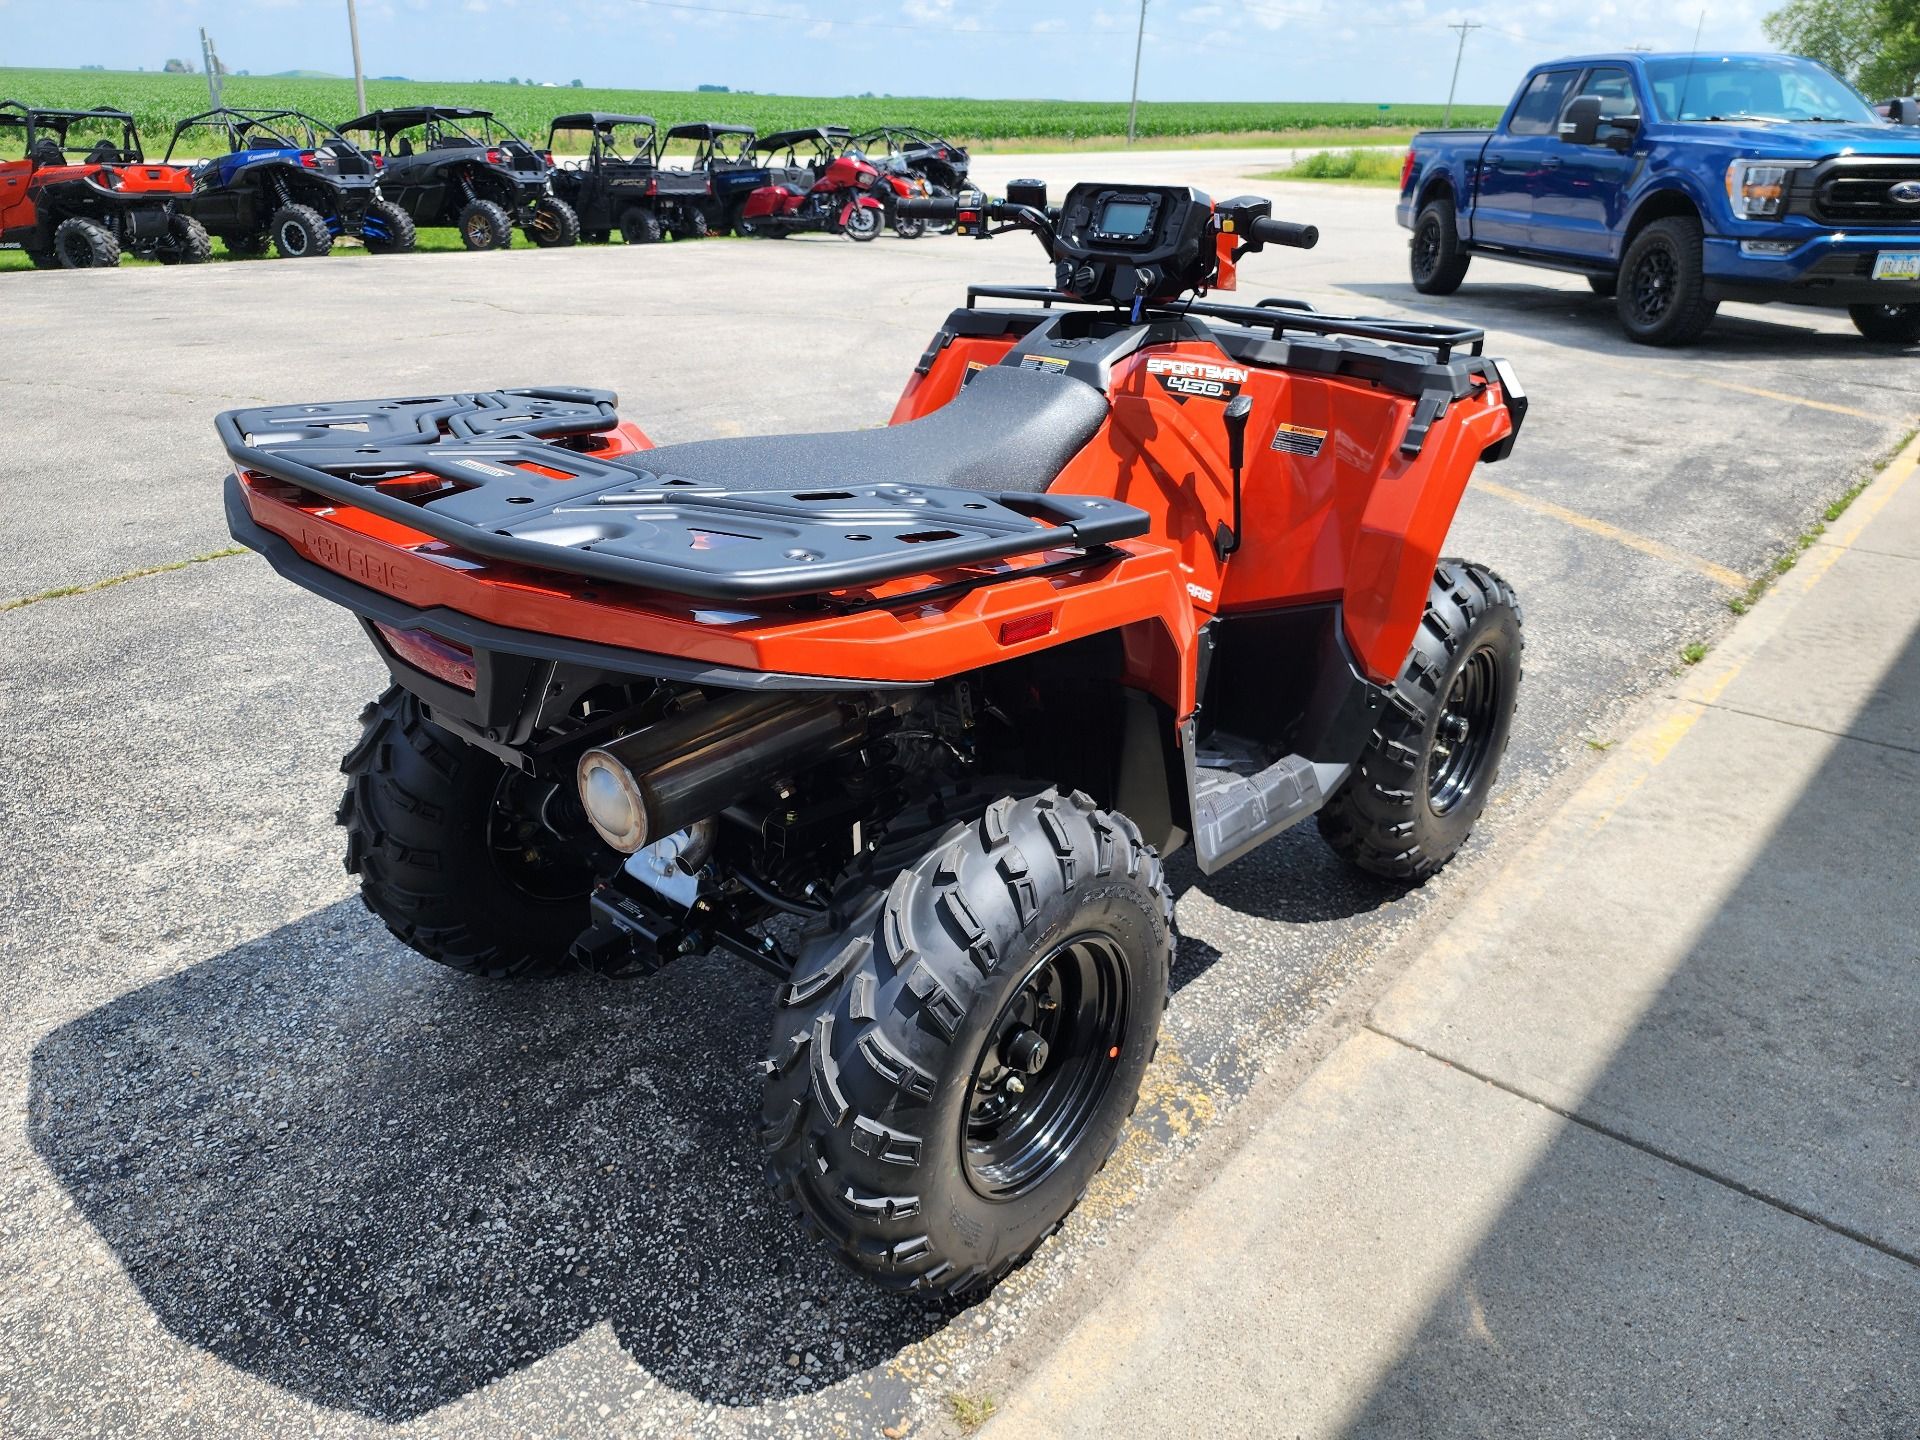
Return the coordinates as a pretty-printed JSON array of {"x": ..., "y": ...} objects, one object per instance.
[{"x": 1184, "y": 379}]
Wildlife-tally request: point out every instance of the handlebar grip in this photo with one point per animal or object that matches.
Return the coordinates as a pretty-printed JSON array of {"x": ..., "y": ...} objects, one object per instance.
[
  {"x": 930, "y": 207},
  {"x": 1284, "y": 232}
]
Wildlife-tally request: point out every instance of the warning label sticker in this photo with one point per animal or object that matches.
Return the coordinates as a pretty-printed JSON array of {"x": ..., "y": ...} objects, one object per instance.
[{"x": 1299, "y": 440}]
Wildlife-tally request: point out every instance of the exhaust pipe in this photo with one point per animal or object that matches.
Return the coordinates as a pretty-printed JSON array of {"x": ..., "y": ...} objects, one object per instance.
[{"x": 655, "y": 781}]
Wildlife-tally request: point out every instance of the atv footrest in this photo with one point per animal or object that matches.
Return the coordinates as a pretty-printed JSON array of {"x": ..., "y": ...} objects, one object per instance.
[
  {"x": 1235, "y": 811},
  {"x": 477, "y": 472}
]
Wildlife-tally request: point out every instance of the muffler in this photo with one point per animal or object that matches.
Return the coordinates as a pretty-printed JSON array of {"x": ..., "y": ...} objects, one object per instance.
[{"x": 693, "y": 765}]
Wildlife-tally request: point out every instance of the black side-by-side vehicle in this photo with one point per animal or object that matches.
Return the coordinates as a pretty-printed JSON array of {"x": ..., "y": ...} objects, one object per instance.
[
  {"x": 450, "y": 165},
  {"x": 608, "y": 170}
]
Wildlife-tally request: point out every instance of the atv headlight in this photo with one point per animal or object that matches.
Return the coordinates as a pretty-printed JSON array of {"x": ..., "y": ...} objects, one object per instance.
[{"x": 1757, "y": 189}]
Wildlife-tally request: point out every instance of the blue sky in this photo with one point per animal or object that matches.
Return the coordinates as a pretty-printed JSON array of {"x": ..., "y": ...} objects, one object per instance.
[{"x": 1070, "y": 49}]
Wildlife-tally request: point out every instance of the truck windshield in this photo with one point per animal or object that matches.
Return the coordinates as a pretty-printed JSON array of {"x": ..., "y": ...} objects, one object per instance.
[{"x": 1754, "y": 87}]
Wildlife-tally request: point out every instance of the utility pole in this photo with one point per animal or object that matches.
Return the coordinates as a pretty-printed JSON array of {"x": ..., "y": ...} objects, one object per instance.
[
  {"x": 359, "y": 75},
  {"x": 1465, "y": 27},
  {"x": 211, "y": 59},
  {"x": 1133, "y": 105}
]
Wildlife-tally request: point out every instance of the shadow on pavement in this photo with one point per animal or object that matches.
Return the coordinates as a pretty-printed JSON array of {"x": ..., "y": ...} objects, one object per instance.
[
  {"x": 1616, "y": 1293},
  {"x": 380, "y": 1186}
]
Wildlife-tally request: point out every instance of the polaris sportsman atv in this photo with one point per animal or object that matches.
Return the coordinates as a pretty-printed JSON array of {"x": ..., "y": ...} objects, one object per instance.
[
  {"x": 448, "y": 165},
  {"x": 77, "y": 191},
  {"x": 609, "y": 172},
  {"x": 289, "y": 181},
  {"x": 1130, "y": 570}
]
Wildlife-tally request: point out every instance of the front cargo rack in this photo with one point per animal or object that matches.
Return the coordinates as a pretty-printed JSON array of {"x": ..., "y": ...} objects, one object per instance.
[
  {"x": 1278, "y": 317},
  {"x": 501, "y": 474}
]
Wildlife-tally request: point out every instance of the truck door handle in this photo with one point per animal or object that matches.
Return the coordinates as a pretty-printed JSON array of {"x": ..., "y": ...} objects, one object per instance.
[{"x": 1551, "y": 162}]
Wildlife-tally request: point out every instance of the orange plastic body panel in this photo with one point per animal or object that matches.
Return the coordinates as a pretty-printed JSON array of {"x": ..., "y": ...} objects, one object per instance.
[{"x": 1339, "y": 513}]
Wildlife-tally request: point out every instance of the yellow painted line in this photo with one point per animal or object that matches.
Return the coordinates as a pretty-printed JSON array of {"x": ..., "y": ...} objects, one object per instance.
[
  {"x": 1720, "y": 574},
  {"x": 1659, "y": 372}
]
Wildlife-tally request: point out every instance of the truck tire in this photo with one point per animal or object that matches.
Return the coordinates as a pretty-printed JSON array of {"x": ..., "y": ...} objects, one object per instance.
[
  {"x": 397, "y": 234},
  {"x": 553, "y": 224},
  {"x": 1031, "y": 945},
  {"x": 638, "y": 226},
  {"x": 485, "y": 226},
  {"x": 299, "y": 232},
  {"x": 1435, "y": 258},
  {"x": 83, "y": 245},
  {"x": 451, "y": 853},
  {"x": 1891, "y": 324},
  {"x": 1605, "y": 286},
  {"x": 1663, "y": 284},
  {"x": 1434, "y": 754}
]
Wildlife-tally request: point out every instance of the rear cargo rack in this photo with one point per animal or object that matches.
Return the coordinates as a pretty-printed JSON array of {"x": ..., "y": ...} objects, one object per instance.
[
  {"x": 1278, "y": 317},
  {"x": 479, "y": 471}
]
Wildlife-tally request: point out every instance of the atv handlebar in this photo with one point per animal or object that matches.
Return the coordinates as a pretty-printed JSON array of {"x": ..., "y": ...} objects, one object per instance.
[{"x": 1284, "y": 232}]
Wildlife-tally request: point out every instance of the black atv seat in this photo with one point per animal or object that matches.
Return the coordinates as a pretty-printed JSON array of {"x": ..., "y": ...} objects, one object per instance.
[{"x": 1007, "y": 429}]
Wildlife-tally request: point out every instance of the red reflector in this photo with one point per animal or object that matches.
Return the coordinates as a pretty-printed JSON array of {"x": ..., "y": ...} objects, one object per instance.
[
  {"x": 1027, "y": 627},
  {"x": 379, "y": 162},
  {"x": 309, "y": 159},
  {"x": 431, "y": 655},
  {"x": 1406, "y": 170}
]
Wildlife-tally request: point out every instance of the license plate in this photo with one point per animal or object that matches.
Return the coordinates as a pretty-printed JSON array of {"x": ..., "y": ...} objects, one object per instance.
[{"x": 1897, "y": 265}]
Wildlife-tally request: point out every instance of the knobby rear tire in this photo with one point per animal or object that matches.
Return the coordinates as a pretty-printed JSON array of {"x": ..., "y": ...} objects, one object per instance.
[
  {"x": 418, "y": 813},
  {"x": 869, "y": 1081}
]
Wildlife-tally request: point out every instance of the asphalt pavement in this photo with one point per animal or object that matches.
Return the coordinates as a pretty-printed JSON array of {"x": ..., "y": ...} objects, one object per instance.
[{"x": 262, "y": 1171}]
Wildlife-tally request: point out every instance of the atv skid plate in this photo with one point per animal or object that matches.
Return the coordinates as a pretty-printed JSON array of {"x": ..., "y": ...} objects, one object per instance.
[{"x": 511, "y": 475}]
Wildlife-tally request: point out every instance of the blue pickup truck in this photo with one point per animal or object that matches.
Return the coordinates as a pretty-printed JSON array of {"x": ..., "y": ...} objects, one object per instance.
[{"x": 1674, "y": 182}]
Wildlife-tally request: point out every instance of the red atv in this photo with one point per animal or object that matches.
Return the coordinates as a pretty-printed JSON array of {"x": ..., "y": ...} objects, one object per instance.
[
  {"x": 1130, "y": 570},
  {"x": 842, "y": 201},
  {"x": 77, "y": 191}
]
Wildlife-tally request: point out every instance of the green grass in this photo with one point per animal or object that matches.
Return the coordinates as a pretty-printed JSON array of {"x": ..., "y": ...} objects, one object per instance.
[
  {"x": 61, "y": 592},
  {"x": 158, "y": 101},
  {"x": 439, "y": 238},
  {"x": 1347, "y": 167},
  {"x": 970, "y": 1412}
]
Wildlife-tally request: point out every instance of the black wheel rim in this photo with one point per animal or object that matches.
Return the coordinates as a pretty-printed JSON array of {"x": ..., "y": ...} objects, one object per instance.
[
  {"x": 1426, "y": 249},
  {"x": 293, "y": 238},
  {"x": 1029, "y": 1109},
  {"x": 76, "y": 250},
  {"x": 1654, "y": 279},
  {"x": 526, "y": 838},
  {"x": 1463, "y": 735}
]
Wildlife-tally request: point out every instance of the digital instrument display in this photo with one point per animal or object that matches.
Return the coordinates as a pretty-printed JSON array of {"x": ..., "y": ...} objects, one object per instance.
[{"x": 1127, "y": 218}]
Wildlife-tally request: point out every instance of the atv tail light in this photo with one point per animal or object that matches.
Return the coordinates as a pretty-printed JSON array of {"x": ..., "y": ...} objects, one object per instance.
[
  {"x": 1406, "y": 170},
  {"x": 494, "y": 157},
  {"x": 1026, "y": 627},
  {"x": 310, "y": 160},
  {"x": 547, "y": 155},
  {"x": 379, "y": 161},
  {"x": 1757, "y": 189},
  {"x": 429, "y": 654}
]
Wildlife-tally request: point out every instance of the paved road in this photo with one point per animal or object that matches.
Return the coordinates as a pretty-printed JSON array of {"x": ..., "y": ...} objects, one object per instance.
[{"x": 262, "y": 1171}]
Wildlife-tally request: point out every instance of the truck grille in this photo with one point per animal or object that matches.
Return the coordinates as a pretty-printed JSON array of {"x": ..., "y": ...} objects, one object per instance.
[{"x": 1859, "y": 191}]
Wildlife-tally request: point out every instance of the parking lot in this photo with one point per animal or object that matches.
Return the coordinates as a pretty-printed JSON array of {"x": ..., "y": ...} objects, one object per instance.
[{"x": 264, "y": 1171}]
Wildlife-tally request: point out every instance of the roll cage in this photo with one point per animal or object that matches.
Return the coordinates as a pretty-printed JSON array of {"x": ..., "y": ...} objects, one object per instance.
[
  {"x": 604, "y": 129},
  {"x": 45, "y": 134},
  {"x": 827, "y": 141},
  {"x": 442, "y": 127},
  {"x": 714, "y": 144},
  {"x": 260, "y": 130}
]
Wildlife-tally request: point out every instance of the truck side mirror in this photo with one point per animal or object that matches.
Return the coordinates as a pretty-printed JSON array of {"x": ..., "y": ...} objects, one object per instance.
[
  {"x": 1580, "y": 125},
  {"x": 1905, "y": 111}
]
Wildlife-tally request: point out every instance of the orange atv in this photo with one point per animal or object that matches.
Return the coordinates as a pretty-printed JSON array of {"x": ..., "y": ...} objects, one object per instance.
[
  {"x": 76, "y": 191},
  {"x": 1130, "y": 569}
]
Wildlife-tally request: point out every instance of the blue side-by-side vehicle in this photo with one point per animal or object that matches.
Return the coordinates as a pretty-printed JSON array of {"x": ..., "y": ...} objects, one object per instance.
[{"x": 1674, "y": 182}]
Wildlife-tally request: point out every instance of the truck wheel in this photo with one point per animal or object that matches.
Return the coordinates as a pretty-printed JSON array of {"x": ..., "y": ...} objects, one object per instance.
[
  {"x": 1431, "y": 762},
  {"x": 247, "y": 247},
  {"x": 949, "y": 1070},
  {"x": 1663, "y": 284},
  {"x": 83, "y": 245},
  {"x": 387, "y": 229},
  {"x": 454, "y": 851},
  {"x": 553, "y": 224},
  {"x": 299, "y": 232},
  {"x": 1605, "y": 286},
  {"x": 485, "y": 226},
  {"x": 1892, "y": 324},
  {"x": 1437, "y": 261},
  {"x": 638, "y": 226}
]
